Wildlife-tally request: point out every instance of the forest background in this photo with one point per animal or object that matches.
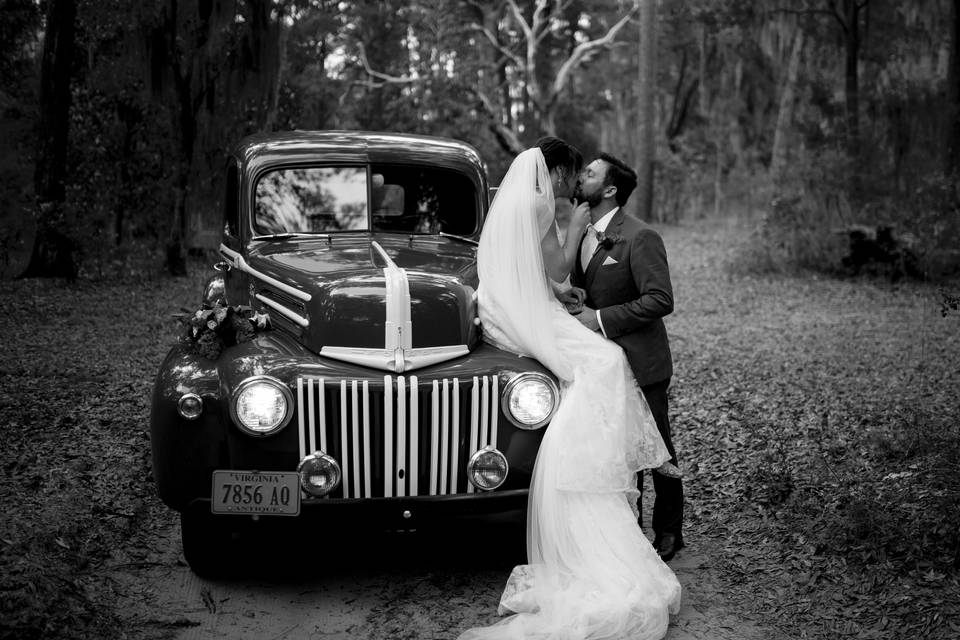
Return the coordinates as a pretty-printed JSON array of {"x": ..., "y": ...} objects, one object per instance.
[{"x": 830, "y": 125}]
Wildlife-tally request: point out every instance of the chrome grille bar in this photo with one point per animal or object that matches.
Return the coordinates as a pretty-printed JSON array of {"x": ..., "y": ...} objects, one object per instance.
[
  {"x": 301, "y": 426},
  {"x": 444, "y": 435},
  {"x": 323, "y": 415},
  {"x": 366, "y": 439},
  {"x": 355, "y": 443},
  {"x": 494, "y": 411},
  {"x": 455, "y": 439},
  {"x": 387, "y": 437},
  {"x": 344, "y": 443},
  {"x": 401, "y": 438},
  {"x": 313, "y": 415},
  {"x": 474, "y": 422},
  {"x": 414, "y": 468},
  {"x": 434, "y": 437},
  {"x": 484, "y": 412}
]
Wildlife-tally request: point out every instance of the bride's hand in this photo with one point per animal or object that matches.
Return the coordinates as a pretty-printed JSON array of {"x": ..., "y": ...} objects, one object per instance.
[
  {"x": 578, "y": 294},
  {"x": 572, "y": 299},
  {"x": 580, "y": 217}
]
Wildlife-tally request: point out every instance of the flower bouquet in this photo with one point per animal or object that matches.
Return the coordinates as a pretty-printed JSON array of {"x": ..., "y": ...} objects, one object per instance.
[{"x": 210, "y": 329}]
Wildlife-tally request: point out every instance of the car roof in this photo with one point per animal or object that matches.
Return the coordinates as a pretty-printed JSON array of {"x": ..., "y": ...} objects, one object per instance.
[{"x": 355, "y": 146}]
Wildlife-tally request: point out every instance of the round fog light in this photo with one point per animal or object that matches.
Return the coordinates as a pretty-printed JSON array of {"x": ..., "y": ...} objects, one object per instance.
[
  {"x": 319, "y": 474},
  {"x": 487, "y": 469},
  {"x": 190, "y": 406}
]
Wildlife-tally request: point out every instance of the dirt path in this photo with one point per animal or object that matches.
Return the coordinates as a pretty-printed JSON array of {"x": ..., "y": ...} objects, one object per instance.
[
  {"x": 429, "y": 602},
  {"x": 401, "y": 587}
]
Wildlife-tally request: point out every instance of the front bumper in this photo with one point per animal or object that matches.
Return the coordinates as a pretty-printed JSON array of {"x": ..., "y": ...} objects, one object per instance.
[{"x": 388, "y": 514}]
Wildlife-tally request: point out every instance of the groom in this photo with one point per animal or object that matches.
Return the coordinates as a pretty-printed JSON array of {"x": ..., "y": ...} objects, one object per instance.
[{"x": 623, "y": 269}]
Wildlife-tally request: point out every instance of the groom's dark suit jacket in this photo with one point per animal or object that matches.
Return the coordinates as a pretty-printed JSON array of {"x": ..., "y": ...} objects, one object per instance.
[{"x": 632, "y": 292}]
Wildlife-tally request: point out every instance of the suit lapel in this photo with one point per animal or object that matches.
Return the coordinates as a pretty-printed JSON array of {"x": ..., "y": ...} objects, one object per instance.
[{"x": 597, "y": 259}]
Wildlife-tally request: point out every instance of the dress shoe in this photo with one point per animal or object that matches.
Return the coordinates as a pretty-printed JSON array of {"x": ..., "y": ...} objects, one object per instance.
[{"x": 667, "y": 546}]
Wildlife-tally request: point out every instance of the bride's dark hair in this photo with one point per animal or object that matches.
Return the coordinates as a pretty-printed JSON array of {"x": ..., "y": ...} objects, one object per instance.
[{"x": 560, "y": 153}]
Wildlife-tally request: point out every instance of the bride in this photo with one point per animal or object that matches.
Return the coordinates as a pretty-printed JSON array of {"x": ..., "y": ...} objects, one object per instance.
[{"x": 591, "y": 572}]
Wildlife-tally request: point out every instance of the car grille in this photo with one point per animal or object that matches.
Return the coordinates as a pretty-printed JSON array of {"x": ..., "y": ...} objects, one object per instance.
[{"x": 402, "y": 437}]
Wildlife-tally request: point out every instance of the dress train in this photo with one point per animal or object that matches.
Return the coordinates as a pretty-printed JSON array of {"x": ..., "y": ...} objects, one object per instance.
[{"x": 591, "y": 574}]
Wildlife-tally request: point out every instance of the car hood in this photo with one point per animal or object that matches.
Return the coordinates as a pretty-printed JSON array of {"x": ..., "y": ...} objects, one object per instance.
[{"x": 388, "y": 302}]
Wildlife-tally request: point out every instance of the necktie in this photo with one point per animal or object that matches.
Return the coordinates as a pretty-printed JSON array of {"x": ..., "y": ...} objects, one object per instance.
[{"x": 590, "y": 242}]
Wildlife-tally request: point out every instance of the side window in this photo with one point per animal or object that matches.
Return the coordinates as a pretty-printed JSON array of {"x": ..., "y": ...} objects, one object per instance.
[
  {"x": 312, "y": 200},
  {"x": 231, "y": 201}
]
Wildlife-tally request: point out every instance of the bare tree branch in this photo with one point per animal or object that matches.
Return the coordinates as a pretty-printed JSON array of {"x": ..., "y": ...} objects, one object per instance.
[
  {"x": 493, "y": 40},
  {"x": 803, "y": 12},
  {"x": 518, "y": 16},
  {"x": 836, "y": 14},
  {"x": 387, "y": 78},
  {"x": 540, "y": 22},
  {"x": 507, "y": 137},
  {"x": 585, "y": 49}
]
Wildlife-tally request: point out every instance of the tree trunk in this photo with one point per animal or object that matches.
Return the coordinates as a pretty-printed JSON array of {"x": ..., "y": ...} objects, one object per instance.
[
  {"x": 952, "y": 129},
  {"x": 785, "y": 113},
  {"x": 126, "y": 186},
  {"x": 548, "y": 120},
  {"x": 852, "y": 89},
  {"x": 646, "y": 91},
  {"x": 703, "y": 101},
  {"x": 188, "y": 103},
  {"x": 279, "y": 35},
  {"x": 54, "y": 252},
  {"x": 186, "y": 119}
]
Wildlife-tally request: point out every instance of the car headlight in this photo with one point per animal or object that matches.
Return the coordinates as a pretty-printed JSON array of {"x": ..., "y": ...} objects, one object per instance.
[
  {"x": 261, "y": 405},
  {"x": 487, "y": 469},
  {"x": 530, "y": 399}
]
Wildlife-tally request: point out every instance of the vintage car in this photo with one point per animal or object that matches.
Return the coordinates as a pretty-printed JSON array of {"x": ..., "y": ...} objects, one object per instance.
[{"x": 369, "y": 400}]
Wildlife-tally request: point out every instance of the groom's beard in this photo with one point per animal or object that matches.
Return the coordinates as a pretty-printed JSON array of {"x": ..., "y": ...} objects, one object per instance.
[
  {"x": 579, "y": 196},
  {"x": 594, "y": 199}
]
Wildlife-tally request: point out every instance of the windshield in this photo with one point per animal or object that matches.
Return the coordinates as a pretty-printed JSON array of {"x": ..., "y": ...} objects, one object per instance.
[{"x": 381, "y": 197}]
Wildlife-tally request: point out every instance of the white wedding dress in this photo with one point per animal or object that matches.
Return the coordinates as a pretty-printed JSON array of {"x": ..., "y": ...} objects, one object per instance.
[{"x": 591, "y": 572}]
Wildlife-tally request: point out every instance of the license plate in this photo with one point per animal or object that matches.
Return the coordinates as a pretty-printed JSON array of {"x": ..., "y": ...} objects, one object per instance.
[{"x": 270, "y": 493}]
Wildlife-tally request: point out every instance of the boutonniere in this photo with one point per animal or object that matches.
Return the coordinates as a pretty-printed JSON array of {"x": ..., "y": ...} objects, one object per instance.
[{"x": 606, "y": 242}]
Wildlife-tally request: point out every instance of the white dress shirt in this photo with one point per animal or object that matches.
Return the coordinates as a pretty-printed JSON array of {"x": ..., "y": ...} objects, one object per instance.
[
  {"x": 591, "y": 241},
  {"x": 589, "y": 247}
]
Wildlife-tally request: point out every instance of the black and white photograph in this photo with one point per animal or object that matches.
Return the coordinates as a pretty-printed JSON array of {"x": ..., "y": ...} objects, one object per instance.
[{"x": 480, "y": 319}]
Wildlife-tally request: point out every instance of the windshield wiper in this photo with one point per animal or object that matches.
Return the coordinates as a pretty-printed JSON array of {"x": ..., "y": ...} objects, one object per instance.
[
  {"x": 460, "y": 238},
  {"x": 290, "y": 234}
]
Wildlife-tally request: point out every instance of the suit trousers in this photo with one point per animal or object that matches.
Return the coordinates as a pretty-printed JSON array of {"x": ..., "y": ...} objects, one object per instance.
[{"x": 668, "y": 503}]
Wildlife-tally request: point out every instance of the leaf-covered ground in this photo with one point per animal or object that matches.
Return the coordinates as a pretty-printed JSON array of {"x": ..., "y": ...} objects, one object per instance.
[
  {"x": 76, "y": 491},
  {"x": 817, "y": 421},
  {"x": 820, "y": 425}
]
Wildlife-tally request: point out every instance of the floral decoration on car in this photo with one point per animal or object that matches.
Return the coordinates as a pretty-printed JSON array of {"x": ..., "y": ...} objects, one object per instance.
[{"x": 211, "y": 329}]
